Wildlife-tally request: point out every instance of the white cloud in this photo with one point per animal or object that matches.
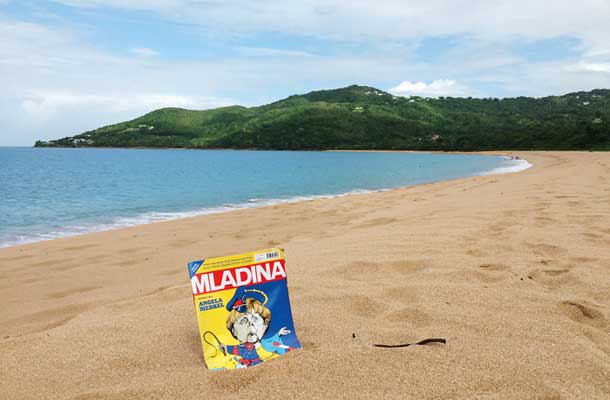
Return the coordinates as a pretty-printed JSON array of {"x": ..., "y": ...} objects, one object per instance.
[
  {"x": 55, "y": 86},
  {"x": 543, "y": 79},
  {"x": 437, "y": 88},
  {"x": 387, "y": 19},
  {"x": 590, "y": 67},
  {"x": 49, "y": 115},
  {"x": 45, "y": 105},
  {"x": 485, "y": 33},
  {"x": 143, "y": 52}
]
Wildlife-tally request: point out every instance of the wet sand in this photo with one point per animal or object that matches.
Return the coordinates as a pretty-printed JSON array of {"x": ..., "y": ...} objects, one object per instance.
[{"x": 513, "y": 270}]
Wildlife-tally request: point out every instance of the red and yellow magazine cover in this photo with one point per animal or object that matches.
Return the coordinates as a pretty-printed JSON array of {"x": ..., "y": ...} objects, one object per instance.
[{"x": 243, "y": 308}]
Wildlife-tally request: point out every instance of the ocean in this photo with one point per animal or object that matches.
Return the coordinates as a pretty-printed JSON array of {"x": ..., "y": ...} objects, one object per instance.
[{"x": 46, "y": 193}]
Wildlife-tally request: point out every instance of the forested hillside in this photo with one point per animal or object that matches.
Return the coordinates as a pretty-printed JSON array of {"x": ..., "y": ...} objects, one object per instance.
[{"x": 361, "y": 117}]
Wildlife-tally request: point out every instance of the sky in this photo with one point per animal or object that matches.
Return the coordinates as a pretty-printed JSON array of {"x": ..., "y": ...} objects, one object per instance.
[{"x": 67, "y": 66}]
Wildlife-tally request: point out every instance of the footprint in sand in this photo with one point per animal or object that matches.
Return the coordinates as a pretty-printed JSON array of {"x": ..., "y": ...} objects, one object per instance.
[
  {"x": 553, "y": 278},
  {"x": 376, "y": 222},
  {"x": 18, "y": 258},
  {"x": 494, "y": 267},
  {"x": 602, "y": 296},
  {"x": 498, "y": 229},
  {"x": 70, "y": 292},
  {"x": 512, "y": 213},
  {"x": 62, "y": 264},
  {"x": 555, "y": 272},
  {"x": 50, "y": 263},
  {"x": 409, "y": 315},
  {"x": 580, "y": 260},
  {"x": 129, "y": 263},
  {"x": 400, "y": 294},
  {"x": 408, "y": 266},
  {"x": 114, "y": 395},
  {"x": 544, "y": 221},
  {"x": 174, "y": 271},
  {"x": 585, "y": 313},
  {"x": 68, "y": 266},
  {"x": 80, "y": 247},
  {"x": 50, "y": 318},
  {"x": 474, "y": 252},
  {"x": 489, "y": 273},
  {"x": 128, "y": 251},
  {"x": 360, "y": 270},
  {"x": 545, "y": 249},
  {"x": 310, "y": 345},
  {"x": 247, "y": 377},
  {"x": 362, "y": 305},
  {"x": 592, "y": 235}
]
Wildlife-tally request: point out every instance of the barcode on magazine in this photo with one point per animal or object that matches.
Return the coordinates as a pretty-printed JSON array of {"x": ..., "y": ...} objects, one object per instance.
[{"x": 266, "y": 256}]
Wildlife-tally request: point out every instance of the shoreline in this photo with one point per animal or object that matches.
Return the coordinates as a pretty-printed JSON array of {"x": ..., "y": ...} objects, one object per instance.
[
  {"x": 510, "y": 269},
  {"x": 152, "y": 217}
]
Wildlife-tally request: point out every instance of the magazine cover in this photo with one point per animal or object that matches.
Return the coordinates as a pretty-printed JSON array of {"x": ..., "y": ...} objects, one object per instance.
[{"x": 243, "y": 308}]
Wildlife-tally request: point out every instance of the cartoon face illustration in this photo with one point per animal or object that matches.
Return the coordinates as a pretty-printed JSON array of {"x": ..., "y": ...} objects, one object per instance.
[
  {"x": 249, "y": 321},
  {"x": 249, "y": 328}
]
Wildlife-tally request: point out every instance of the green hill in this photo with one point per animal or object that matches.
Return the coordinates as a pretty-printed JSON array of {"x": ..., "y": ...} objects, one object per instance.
[{"x": 361, "y": 117}]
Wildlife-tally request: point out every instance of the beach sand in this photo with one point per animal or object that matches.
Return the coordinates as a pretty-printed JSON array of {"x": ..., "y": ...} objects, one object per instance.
[{"x": 513, "y": 270}]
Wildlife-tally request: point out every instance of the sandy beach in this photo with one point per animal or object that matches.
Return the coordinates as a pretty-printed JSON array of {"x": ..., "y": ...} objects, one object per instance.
[{"x": 512, "y": 270}]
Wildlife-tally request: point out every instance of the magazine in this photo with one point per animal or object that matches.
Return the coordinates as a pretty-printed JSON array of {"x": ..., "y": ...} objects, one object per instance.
[{"x": 243, "y": 308}]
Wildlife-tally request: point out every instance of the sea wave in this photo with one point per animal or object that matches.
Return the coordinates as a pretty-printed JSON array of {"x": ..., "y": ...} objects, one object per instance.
[
  {"x": 155, "y": 216},
  {"x": 512, "y": 164}
]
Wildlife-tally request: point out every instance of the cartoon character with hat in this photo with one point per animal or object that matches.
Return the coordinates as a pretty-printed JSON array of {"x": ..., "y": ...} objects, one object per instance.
[{"x": 248, "y": 322}]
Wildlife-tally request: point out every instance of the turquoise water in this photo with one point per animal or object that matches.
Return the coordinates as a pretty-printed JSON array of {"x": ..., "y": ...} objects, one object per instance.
[{"x": 47, "y": 193}]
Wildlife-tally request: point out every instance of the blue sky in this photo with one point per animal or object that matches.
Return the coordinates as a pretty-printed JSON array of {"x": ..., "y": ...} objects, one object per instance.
[{"x": 71, "y": 65}]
